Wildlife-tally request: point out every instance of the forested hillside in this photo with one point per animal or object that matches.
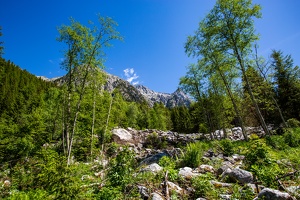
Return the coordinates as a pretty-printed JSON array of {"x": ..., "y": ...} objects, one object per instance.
[{"x": 73, "y": 139}]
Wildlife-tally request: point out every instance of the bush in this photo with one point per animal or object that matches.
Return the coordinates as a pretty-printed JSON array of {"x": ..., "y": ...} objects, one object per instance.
[
  {"x": 203, "y": 187},
  {"x": 121, "y": 168},
  {"x": 276, "y": 141},
  {"x": 292, "y": 137},
  {"x": 110, "y": 193},
  {"x": 203, "y": 128},
  {"x": 257, "y": 154},
  {"x": 293, "y": 123},
  {"x": 32, "y": 194},
  {"x": 169, "y": 165},
  {"x": 194, "y": 153},
  {"x": 227, "y": 147},
  {"x": 112, "y": 149},
  {"x": 267, "y": 174}
]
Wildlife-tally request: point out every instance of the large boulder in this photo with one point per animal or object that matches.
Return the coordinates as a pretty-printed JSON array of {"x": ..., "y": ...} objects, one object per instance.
[
  {"x": 121, "y": 136},
  {"x": 270, "y": 194},
  {"x": 239, "y": 175}
]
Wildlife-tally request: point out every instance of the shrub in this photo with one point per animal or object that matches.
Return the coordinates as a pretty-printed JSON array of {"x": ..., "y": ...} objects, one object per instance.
[
  {"x": 169, "y": 164},
  {"x": 227, "y": 147},
  {"x": 194, "y": 153},
  {"x": 203, "y": 128},
  {"x": 112, "y": 149},
  {"x": 110, "y": 193},
  {"x": 292, "y": 137},
  {"x": 32, "y": 194},
  {"x": 121, "y": 168},
  {"x": 203, "y": 187},
  {"x": 257, "y": 153},
  {"x": 267, "y": 174},
  {"x": 239, "y": 192},
  {"x": 276, "y": 141},
  {"x": 293, "y": 123}
]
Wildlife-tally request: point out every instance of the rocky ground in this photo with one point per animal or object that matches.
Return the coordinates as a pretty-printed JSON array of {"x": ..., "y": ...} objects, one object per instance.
[{"x": 226, "y": 171}]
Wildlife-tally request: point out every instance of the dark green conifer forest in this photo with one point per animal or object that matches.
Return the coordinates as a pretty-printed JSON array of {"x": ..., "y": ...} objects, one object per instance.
[{"x": 51, "y": 132}]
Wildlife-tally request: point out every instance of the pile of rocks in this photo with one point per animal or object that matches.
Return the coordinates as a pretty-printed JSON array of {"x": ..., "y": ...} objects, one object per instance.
[
  {"x": 229, "y": 173},
  {"x": 225, "y": 176}
]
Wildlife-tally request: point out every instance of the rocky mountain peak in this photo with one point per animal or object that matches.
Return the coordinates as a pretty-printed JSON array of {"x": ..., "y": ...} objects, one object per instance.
[
  {"x": 177, "y": 98},
  {"x": 138, "y": 93}
]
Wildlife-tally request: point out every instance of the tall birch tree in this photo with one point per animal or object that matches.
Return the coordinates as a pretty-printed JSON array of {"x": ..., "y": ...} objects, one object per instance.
[{"x": 84, "y": 52}]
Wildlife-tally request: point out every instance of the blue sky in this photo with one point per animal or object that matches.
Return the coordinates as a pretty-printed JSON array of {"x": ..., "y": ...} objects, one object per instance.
[{"x": 154, "y": 34}]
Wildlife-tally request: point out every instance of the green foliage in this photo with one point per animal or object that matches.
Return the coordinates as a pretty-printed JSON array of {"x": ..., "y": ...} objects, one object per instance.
[
  {"x": 203, "y": 128},
  {"x": 245, "y": 192},
  {"x": 227, "y": 147},
  {"x": 276, "y": 141},
  {"x": 169, "y": 165},
  {"x": 293, "y": 123},
  {"x": 267, "y": 174},
  {"x": 287, "y": 85},
  {"x": 154, "y": 141},
  {"x": 257, "y": 154},
  {"x": 193, "y": 154},
  {"x": 292, "y": 137},
  {"x": 181, "y": 119},
  {"x": 112, "y": 149},
  {"x": 110, "y": 193},
  {"x": 47, "y": 171},
  {"x": 31, "y": 194},
  {"x": 203, "y": 187},
  {"x": 121, "y": 169}
]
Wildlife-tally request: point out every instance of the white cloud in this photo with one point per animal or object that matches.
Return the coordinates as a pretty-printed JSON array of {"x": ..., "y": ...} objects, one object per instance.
[
  {"x": 135, "y": 83},
  {"x": 130, "y": 75}
]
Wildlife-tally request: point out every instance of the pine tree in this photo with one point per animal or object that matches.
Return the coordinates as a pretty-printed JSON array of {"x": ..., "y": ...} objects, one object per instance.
[{"x": 287, "y": 84}]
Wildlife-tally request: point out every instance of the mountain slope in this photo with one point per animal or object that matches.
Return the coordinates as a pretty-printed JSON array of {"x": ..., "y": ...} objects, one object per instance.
[{"x": 140, "y": 93}]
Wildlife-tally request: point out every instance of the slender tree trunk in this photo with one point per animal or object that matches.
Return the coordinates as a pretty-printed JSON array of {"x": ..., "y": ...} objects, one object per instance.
[
  {"x": 107, "y": 120},
  {"x": 81, "y": 94},
  {"x": 63, "y": 128},
  {"x": 234, "y": 104},
  {"x": 93, "y": 121},
  {"x": 258, "y": 113},
  {"x": 272, "y": 97}
]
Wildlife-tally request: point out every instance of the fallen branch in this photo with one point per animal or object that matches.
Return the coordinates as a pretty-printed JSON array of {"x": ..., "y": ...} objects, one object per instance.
[
  {"x": 287, "y": 174},
  {"x": 286, "y": 190},
  {"x": 166, "y": 187}
]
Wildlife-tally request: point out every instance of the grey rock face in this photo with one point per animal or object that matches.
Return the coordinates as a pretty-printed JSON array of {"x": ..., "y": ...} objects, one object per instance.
[
  {"x": 138, "y": 93},
  {"x": 178, "y": 98}
]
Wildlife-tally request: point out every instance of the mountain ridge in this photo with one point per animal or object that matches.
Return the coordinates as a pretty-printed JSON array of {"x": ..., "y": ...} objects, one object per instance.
[
  {"x": 137, "y": 93},
  {"x": 170, "y": 100}
]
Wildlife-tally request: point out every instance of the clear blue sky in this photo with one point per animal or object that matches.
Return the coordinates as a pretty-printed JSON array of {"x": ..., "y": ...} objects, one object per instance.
[{"x": 154, "y": 34}]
